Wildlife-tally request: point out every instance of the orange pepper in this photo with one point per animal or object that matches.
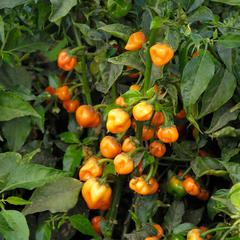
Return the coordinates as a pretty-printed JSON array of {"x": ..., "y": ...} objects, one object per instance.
[
  {"x": 158, "y": 119},
  {"x": 132, "y": 75},
  {"x": 135, "y": 41},
  {"x": 147, "y": 133},
  {"x": 142, "y": 111},
  {"x": 88, "y": 117},
  {"x": 50, "y": 90},
  {"x": 140, "y": 186},
  {"x": 128, "y": 145},
  {"x": 63, "y": 93},
  {"x": 121, "y": 102},
  {"x": 204, "y": 229},
  {"x": 123, "y": 164},
  {"x": 194, "y": 234},
  {"x": 195, "y": 54},
  {"x": 161, "y": 54},
  {"x": 168, "y": 134},
  {"x": 157, "y": 149},
  {"x": 118, "y": 121},
  {"x": 160, "y": 232},
  {"x": 110, "y": 147},
  {"x": 135, "y": 87},
  {"x": 191, "y": 186},
  {"x": 96, "y": 194},
  {"x": 71, "y": 105},
  {"x": 65, "y": 61},
  {"x": 90, "y": 169},
  {"x": 203, "y": 195},
  {"x": 181, "y": 114},
  {"x": 96, "y": 221}
]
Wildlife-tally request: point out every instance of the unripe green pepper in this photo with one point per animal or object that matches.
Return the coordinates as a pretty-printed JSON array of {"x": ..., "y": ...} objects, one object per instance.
[
  {"x": 119, "y": 8},
  {"x": 175, "y": 187}
]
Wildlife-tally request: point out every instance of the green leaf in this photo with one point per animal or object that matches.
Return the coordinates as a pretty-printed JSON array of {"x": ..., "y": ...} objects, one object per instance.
[
  {"x": 11, "y": 3},
  {"x": 202, "y": 14},
  {"x": 109, "y": 74},
  {"x": 233, "y": 170},
  {"x": 221, "y": 118},
  {"x": 109, "y": 170},
  {"x": 228, "y": 153},
  {"x": 213, "y": 98},
  {"x": 229, "y": 2},
  {"x": 69, "y": 137},
  {"x": 83, "y": 225},
  {"x": 183, "y": 228},
  {"x": 234, "y": 195},
  {"x": 129, "y": 58},
  {"x": 132, "y": 97},
  {"x": 72, "y": 158},
  {"x": 43, "y": 232},
  {"x": 18, "y": 224},
  {"x": 174, "y": 215},
  {"x": 226, "y": 132},
  {"x": 117, "y": 30},
  {"x": 12, "y": 106},
  {"x": 207, "y": 166},
  {"x": 193, "y": 216},
  {"x": 2, "y": 33},
  {"x": 230, "y": 40},
  {"x": 58, "y": 196},
  {"x": 27, "y": 158},
  {"x": 60, "y": 8},
  {"x": 17, "y": 201},
  {"x": 226, "y": 54},
  {"x": 16, "y": 136},
  {"x": 195, "y": 78},
  {"x": 173, "y": 93}
]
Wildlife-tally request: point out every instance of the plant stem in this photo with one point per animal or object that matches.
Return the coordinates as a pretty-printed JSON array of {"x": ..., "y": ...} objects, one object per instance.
[
  {"x": 85, "y": 84},
  {"x": 148, "y": 69},
  {"x": 214, "y": 230},
  {"x": 112, "y": 214},
  {"x": 139, "y": 131},
  {"x": 114, "y": 92}
]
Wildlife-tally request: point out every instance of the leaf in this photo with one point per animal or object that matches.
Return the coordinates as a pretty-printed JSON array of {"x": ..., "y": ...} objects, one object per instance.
[
  {"x": 174, "y": 215},
  {"x": 195, "y": 78},
  {"x": 207, "y": 166},
  {"x": 43, "y": 232},
  {"x": 11, "y": 3},
  {"x": 18, "y": 224},
  {"x": 16, "y": 137},
  {"x": 17, "y": 201},
  {"x": 183, "y": 228},
  {"x": 226, "y": 132},
  {"x": 2, "y": 33},
  {"x": 195, "y": 4},
  {"x": 229, "y": 2},
  {"x": 233, "y": 170},
  {"x": 109, "y": 170},
  {"x": 202, "y": 14},
  {"x": 234, "y": 195},
  {"x": 226, "y": 55},
  {"x": 58, "y": 196},
  {"x": 69, "y": 137},
  {"x": 185, "y": 149},
  {"x": 12, "y": 106},
  {"x": 230, "y": 40},
  {"x": 213, "y": 98},
  {"x": 60, "y": 8},
  {"x": 173, "y": 93},
  {"x": 72, "y": 158},
  {"x": 132, "y": 97},
  {"x": 129, "y": 58},
  {"x": 221, "y": 118},
  {"x": 30, "y": 176},
  {"x": 27, "y": 158},
  {"x": 193, "y": 216},
  {"x": 227, "y": 153},
  {"x": 109, "y": 74},
  {"x": 83, "y": 225},
  {"x": 117, "y": 30}
]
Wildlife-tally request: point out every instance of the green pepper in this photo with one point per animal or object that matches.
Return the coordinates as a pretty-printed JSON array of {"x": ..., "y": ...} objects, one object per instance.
[
  {"x": 119, "y": 8},
  {"x": 175, "y": 187}
]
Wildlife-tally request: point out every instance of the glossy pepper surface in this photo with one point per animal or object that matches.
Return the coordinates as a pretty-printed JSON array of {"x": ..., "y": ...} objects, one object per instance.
[
  {"x": 157, "y": 149},
  {"x": 194, "y": 234},
  {"x": 63, "y": 93},
  {"x": 110, "y": 147},
  {"x": 65, "y": 61},
  {"x": 175, "y": 187},
  {"x": 87, "y": 117},
  {"x": 191, "y": 186},
  {"x": 123, "y": 164},
  {"x": 96, "y": 221},
  {"x": 135, "y": 41},
  {"x": 128, "y": 145},
  {"x": 90, "y": 169},
  {"x": 158, "y": 119},
  {"x": 142, "y": 111},
  {"x": 140, "y": 186},
  {"x": 71, "y": 105},
  {"x": 121, "y": 102},
  {"x": 168, "y": 134},
  {"x": 118, "y": 121},
  {"x": 96, "y": 195}
]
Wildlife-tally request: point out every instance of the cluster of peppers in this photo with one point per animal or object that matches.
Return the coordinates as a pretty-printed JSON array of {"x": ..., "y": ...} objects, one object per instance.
[{"x": 96, "y": 192}]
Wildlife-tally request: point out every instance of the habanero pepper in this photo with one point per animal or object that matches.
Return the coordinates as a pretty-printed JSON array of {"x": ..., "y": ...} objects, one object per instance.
[
  {"x": 96, "y": 224},
  {"x": 191, "y": 186},
  {"x": 135, "y": 87},
  {"x": 66, "y": 61},
  {"x": 175, "y": 188},
  {"x": 96, "y": 195},
  {"x": 119, "y": 8},
  {"x": 168, "y": 134},
  {"x": 123, "y": 164},
  {"x": 71, "y": 105},
  {"x": 110, "y": 147},
  {"x": 142, "y": 111},
  {"x": 128, "y": 145},
  {"x": 63, "y": 93},
  {"x": 157, "y": 149},
  {"x": 120, "y": 102},
  {"x": 194, "y": 234},
  {"x": 135, "y": 41},
  {"x": 158, "y": 119}
]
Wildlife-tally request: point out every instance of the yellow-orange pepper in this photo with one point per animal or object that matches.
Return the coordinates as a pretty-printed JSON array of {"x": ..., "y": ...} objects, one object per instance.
[
  {"x": 96, "y": 195},
  {"x": 194, "y": 234},
  {"x": 191, "y": 186},
  {"x": 110, "y": 147},
  {"x": 128, "y": 145},
  {"x": 157, "y": 149},
  {"x": 142, "y": 111},
  {"x": 90, "y": 169},
  {"x": 168, "y": 134},
  {"x": 147, "y": 133},
  {"x": 158, "y": 119},
  {"x": 140, "y": 186},
  {"x": 135, "y": 41},
  {"x": 96, "y": 221},
  {"x": 160, "y": 232},
  {"x": 121, "y": 102},
  {"x": 123, "y": 164},
  {"x": 118, "y": 121},
  {"x": 135, "y": 87}
]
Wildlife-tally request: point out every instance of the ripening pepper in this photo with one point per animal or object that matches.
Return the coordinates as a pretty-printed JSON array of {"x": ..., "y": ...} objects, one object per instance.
[
  {"x": 66, "y": 61},
  {"x": 175, "y": 187},
  {"x": 63, "y": 93},
  {"x": 194, "y": 234},
  {"x": 157, "y": 149},
  {"x": 142, "y": 111},
  {"x": 96, "y": 194},
  {"x": 168, "y": 134},
  {"x": 71, "y": 105},
  {"x": 191, "y": 186},
  {"x": 135, "y": 41},
  {"x": 96, "y": 221},
  {"x": 110, "y": 147},
  {"x": 128, "y": 145},
  {"x": 123, "y": 164}
]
